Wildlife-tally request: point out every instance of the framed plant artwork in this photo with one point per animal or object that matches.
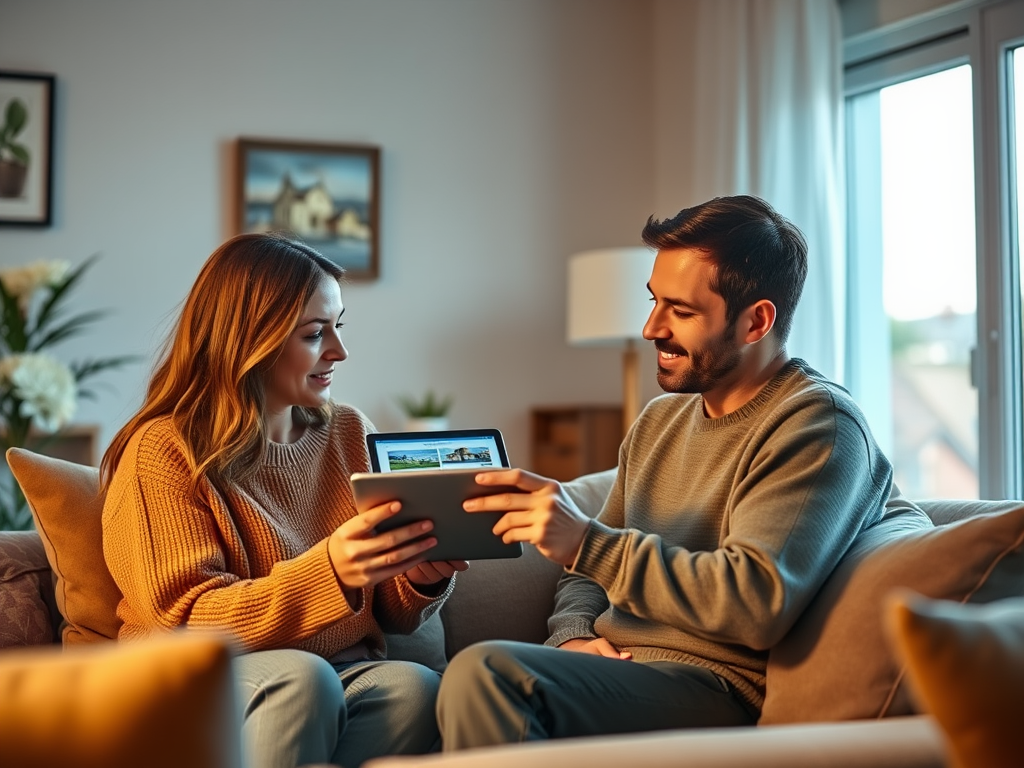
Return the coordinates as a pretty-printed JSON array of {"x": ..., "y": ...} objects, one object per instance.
[
  {"x": 26, "y": 148},
  {"x": 326, "y": 195}
]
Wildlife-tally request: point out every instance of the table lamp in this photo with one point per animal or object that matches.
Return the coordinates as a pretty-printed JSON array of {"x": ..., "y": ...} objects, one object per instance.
[{"x": 608, "y": 305}]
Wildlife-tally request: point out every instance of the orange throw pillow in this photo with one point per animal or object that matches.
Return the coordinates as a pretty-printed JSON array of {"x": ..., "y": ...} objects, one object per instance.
[{"x": 965, "y": 663}]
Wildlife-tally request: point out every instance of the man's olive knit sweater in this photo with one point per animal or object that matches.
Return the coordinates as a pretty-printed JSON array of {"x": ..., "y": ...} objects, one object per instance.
[{"x": 718, "y": 532}]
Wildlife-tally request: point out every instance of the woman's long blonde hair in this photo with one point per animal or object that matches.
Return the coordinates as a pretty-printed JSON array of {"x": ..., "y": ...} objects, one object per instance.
[{"x": 210, "y": 380}]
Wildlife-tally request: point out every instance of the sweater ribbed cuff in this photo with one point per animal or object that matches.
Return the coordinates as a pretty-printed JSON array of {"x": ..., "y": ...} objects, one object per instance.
[{"x": 571, "y": 628}]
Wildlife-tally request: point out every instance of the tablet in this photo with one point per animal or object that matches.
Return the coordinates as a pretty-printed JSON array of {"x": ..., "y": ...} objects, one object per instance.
[
  {"x": 444, "y": 449},
  {"x": 438, "y": 495}
]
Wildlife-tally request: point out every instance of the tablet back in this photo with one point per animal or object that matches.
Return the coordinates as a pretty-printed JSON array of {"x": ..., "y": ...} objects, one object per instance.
[{"x": 437, "y": 495}]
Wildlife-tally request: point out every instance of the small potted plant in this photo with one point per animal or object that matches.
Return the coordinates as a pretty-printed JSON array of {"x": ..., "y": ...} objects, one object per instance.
[
  {"x": 428, "y": 413},
  {"x": 14, "y": 156}
]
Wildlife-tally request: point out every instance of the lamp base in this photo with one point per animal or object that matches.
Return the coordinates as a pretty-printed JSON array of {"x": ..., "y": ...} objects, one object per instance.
[{"x": 630, "y": 386}]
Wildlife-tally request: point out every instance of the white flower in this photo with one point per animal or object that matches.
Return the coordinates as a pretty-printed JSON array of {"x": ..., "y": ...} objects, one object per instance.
[
  {"x": 22, "y": 282},
  {"x": 45, "y": 386}
]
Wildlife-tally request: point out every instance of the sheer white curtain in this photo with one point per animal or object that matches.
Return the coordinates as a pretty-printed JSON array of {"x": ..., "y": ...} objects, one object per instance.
[{"x": 749, "y": 96}]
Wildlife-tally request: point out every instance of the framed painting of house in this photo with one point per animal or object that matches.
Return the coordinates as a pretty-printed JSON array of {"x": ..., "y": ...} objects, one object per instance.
[
  {"x": 326, "y": 195},
  {"x": 26, "y": 148}
]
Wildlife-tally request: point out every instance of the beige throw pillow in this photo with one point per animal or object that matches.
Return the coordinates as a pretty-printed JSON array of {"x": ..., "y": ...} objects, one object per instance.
[
  {"x": 836, "y": 664},
  {"x": 164, "y": 702},
  {"x": 67, "y": 508},
  {"x": 966, "y": 664}
]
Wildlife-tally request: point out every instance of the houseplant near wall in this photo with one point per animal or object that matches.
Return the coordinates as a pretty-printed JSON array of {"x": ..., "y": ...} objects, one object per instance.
[
  {"x": 427, "y": 413},
  {"x": 37, "y": 389}
]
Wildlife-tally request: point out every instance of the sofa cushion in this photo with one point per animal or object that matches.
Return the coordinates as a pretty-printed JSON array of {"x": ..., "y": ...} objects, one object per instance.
[
  {"x": 899, "y": 742},
  {"x": 424, "y": 646},
  {"x": 67, "y": 508},
  {"x": 165, "y": 702},
  {"x": 835, "y": 664},
  {"x": 25, "y": 578},
  {"x": 966, "y": 664},
  {"x": 512, "y": 599}
]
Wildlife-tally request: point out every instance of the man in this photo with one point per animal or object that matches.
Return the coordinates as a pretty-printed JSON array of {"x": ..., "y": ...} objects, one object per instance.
[{"x": 736, "y": 496}]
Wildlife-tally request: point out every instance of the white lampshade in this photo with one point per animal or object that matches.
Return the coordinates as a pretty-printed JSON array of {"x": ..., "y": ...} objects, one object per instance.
[
  {"x": 609, "y": 304},
  {"x": 608, "y": 298}
]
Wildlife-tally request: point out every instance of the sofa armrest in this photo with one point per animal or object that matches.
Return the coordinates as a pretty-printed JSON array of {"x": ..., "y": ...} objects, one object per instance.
[
  {"x": 945, "y": 511},
  {"x": 898, "y": 742},
  {"x": 28, "y": 610}
]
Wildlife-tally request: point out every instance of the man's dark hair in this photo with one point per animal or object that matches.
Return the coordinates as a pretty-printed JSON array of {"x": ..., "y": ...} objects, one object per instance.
[{"x": 758, "y": 254}]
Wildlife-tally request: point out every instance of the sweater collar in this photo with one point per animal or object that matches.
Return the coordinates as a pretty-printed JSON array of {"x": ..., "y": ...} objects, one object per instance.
[{"x": 756, "y": 403}]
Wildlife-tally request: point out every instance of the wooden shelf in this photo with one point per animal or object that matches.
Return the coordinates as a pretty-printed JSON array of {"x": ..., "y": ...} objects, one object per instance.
[
  {"x": 76, "y": 443},
  {"x": 572, "y": 440}
]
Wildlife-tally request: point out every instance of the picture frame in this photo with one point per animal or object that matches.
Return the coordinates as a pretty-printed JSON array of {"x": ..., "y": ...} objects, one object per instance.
[
  {"x": 26, "y": 148},
  {"x": 326, "y": 195}
]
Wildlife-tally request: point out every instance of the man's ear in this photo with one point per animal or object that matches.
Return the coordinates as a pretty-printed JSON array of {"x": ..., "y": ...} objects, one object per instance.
[{"x": 756, "y": 320}]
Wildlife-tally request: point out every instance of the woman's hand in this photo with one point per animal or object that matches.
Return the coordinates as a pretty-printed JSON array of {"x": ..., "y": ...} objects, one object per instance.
[
  {"x": 434, "y": 571},
  {"x": 361, "y": 557},
  {"x": 542, "y": 515}
]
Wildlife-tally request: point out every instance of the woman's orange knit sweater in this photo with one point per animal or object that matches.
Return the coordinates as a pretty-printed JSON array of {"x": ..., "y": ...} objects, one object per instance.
[{"x": 251, "y": 562}]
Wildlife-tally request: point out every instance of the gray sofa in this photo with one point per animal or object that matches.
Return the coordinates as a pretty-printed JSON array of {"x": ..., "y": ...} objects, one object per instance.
[{"x": 835, "y": 693}]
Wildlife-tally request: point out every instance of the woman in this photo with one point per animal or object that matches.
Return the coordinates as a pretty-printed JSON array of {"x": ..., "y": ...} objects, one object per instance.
[{"x": 229, "y": 507}]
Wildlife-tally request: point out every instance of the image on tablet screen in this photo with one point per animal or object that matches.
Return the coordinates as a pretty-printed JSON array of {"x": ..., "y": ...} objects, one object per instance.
[{"x": 443, "y": 452}]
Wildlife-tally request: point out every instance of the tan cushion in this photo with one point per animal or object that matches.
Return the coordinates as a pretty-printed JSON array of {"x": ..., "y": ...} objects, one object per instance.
[
  {"x": 165, "y": 702},
  {"x": 836, "y": 664},
  {"x": 25, "y": 579},
  {"x": 966, "y": 664},
  {"x": 66, "y": 507}
]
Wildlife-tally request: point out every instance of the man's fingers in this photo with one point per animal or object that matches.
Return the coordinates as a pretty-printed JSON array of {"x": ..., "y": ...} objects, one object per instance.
[
  {"x": 520, "y": 478},
  {"x": 511, "y": 521}
]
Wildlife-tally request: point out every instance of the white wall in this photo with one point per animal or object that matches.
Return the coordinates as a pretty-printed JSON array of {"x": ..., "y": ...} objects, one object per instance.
[{"x": 513, "y": 134}]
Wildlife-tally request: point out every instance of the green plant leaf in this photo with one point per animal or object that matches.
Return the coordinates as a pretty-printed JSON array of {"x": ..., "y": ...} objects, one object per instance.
[
  {"x": 14, "y": 337},
  {"x": 20, "y": 153},
  {"x": 86, "y": 369},
  {"x": 53, "y": 304},
  {"x": 73, "y": 326},
  {"x": 15, "y": 116},
  {"x": 431, "y": 406}
]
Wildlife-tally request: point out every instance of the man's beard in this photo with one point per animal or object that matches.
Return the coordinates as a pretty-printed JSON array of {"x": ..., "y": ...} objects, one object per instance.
[{"x": 707, "y": 365}]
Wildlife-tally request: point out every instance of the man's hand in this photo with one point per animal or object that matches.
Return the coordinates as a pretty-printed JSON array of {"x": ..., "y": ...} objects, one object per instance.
[
  {"x": 597, "y": 646},
  {"x": 543, "y": 514}
]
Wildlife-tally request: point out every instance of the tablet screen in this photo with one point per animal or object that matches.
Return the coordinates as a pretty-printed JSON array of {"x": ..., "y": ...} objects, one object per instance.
[{"x": 448, "y": 449}]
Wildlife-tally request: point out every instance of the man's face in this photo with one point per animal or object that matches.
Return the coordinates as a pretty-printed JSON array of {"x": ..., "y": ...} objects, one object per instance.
[{"x": 697, "y": 350}]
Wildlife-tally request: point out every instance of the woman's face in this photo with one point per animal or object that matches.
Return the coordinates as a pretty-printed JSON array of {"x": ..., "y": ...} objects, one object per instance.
[{"x": 302, "y": 374}]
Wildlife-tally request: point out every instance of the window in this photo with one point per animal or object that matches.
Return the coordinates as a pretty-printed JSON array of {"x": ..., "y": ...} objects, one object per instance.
[{"x": 935, "y": 324}]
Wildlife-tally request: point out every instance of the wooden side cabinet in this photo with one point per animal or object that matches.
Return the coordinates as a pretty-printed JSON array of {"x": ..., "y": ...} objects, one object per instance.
[
  {"x": 76, "y": 442},
  {"x": 569, "y": 441}
]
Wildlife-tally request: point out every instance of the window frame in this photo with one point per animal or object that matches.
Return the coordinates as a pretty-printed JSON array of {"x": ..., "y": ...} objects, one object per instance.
[{"x": 981, "y": 33}]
